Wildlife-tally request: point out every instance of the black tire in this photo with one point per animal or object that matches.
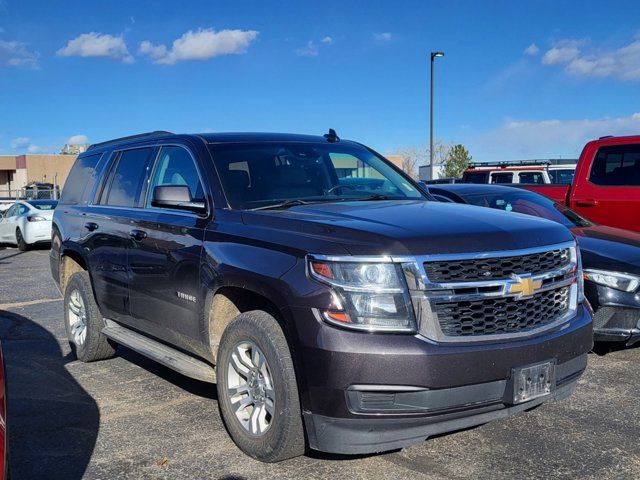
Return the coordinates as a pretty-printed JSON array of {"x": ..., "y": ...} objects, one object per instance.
[
  {"x": 22, "y": 245},
  {"x": 95, "y": 346},
  {"x": 284, "y": 437}
]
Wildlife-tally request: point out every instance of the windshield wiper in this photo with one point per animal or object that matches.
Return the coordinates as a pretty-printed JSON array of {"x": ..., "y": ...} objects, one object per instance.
[
  {"x": 282, "y": 206},
  {"x": 378, "y": 196}
]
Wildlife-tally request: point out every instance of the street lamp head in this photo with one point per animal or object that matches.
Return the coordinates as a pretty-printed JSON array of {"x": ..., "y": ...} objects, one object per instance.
[{"x": 436, "y": 54}]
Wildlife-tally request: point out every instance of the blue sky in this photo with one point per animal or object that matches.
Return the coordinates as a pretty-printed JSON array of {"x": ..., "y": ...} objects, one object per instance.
[{"x": 519, "y": 79}]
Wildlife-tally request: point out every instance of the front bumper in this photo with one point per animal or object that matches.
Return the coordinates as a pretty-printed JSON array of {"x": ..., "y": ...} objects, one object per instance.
[
  {"x": 617, "y": 314},
  {"x": 458, "y": 385},
  {"x": 371, "y": 435}
]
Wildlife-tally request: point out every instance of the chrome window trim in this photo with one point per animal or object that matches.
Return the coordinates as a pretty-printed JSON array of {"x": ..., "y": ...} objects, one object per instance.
[
  {"x": 147, "y": 203},
  {"x": 110, "y": 163}
]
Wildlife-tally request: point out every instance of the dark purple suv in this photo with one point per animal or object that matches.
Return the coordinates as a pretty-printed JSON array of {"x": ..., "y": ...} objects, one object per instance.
[{"x": 334, "y": 305}]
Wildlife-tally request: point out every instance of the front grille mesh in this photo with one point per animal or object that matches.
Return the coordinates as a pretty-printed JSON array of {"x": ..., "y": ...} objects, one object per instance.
[
  {"x": 479, "y": 269},
  {"x": 499, "y": 315}
]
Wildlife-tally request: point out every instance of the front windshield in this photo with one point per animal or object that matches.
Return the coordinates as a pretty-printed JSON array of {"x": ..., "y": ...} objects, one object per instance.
[
  {"x": 530, "y": 204},
  {"x": 262, "y": 174}
]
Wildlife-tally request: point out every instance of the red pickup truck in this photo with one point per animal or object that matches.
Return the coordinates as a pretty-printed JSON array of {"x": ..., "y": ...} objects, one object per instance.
[{"x": 606, "y": 186}]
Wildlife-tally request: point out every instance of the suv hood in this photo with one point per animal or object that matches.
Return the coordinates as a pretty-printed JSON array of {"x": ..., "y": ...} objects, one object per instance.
[{"x": 409, "y": 227}]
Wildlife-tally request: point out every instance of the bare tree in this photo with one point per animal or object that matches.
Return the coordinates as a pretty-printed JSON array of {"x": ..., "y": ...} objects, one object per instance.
[
  {"x": 440, "y": 150},
  {"x": 412, "y": 158}
]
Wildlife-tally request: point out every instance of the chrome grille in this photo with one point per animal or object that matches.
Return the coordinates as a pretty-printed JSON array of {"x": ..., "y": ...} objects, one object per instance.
[
  {"x": 480, "y": 269},
  {"x": 501, "y": 315},
  {"x": 494, "y": 296}
]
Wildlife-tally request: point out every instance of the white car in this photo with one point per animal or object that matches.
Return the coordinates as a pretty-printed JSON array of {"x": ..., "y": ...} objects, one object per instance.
[{"x": 27, "y": 222}]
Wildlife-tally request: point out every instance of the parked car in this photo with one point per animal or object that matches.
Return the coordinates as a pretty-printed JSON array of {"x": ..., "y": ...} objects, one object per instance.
[
  {"x": 345, "y": 319},
  {"x": 535, "y": 173},
  {"x": 606, "y": 186},
  {"x": 610, "y": 256},
  {"x": 440, "y": 180},
  {"x": 26, "y": 223}
]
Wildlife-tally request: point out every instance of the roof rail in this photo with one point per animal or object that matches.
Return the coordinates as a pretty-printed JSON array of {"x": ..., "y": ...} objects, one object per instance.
[
  {"x": 605, "y": 136},
  {"x": 506, "y": 164},
  {"x": 155, "y": 133}
]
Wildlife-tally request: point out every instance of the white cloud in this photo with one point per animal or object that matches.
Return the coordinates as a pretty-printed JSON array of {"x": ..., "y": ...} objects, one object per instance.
[
  {"x": 525, "y": 139},
  {"x": 16, "y": 54},
  {"x": 200, "y": 45},
  {"x": 382, "y": 37},
  {"x": 532, "y": 50},
  {"x": 622, "y": 63},
  {"x": 20, "y": 142},
  {"x": 24, "y": 143},
  {"x": 327, "y": 40},
  {"x": 78, "y": 140},
  {"x": 95, "y": 44},
  {"x": 563, "y": 51},
  {"x": 310, "y": 50}
]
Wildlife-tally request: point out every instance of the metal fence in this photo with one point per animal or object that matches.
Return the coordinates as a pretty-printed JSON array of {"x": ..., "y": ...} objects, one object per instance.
[{"x": 29, "y": 193}]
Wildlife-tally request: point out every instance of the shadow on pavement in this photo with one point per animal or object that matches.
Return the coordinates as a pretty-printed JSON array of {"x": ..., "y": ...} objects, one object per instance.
[
  {"x": 194, "y": 387},
  {"x": 604, "y": 348},
  {"x": 52, "y": 421},
  {"x": 6, "y": 257}
]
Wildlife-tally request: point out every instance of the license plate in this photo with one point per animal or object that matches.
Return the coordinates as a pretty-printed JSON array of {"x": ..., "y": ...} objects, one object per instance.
[{"x": 533, "y": 382}]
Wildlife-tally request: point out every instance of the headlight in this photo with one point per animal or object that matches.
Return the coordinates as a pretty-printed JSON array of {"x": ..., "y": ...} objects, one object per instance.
[
  {"x": 367, "y": 296},
  {"x": 35, "y": 218},
  {"x": 619, "y": 281}
]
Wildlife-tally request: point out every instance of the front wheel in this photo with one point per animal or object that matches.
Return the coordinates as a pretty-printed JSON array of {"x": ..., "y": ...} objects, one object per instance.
[
  {"x": 22, "y": 245},
  {"x": 257, "y": 389}
]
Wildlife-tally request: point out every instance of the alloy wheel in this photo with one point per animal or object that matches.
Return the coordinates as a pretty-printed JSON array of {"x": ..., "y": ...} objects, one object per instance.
[
  {"x": 77, "y": 318},
  {"x": 250, "y": 388}
]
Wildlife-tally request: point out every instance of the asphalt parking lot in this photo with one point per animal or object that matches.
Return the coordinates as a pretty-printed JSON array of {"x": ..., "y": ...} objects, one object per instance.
[{"x": 130, "y": 418}]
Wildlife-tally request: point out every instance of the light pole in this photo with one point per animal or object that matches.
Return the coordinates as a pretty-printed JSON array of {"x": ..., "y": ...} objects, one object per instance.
[{"x": 433, "y": 57}]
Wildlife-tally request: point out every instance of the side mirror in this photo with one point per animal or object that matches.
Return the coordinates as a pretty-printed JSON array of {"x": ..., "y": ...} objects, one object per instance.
[{"x": 177, "y": 197}]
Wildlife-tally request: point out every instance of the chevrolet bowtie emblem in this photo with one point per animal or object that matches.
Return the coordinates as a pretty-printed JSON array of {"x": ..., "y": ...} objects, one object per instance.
[{"x": 525, "y": 286}]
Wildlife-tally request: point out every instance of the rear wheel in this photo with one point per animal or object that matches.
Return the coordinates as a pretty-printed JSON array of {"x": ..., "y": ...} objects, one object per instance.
[
  {"x": 22, "y": 245},
  {"x": 257, "y": 389},
  {"x": 83, "y": 321}
]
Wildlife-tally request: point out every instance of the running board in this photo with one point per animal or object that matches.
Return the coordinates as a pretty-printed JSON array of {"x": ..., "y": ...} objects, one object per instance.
[{"x": 161, "y": 353}]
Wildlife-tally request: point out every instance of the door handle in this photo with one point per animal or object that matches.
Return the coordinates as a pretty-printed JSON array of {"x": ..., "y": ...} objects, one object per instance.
[
  {"x": 587, "y": 202},
  {"x": 91, "y": 226},
  {"x": 138, "y": 234}
]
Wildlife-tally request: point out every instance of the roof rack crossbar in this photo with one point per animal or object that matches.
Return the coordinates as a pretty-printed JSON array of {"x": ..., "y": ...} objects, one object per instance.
[
  {"x": 510, "y": 163},
  {"x": 155, "y": 133}
]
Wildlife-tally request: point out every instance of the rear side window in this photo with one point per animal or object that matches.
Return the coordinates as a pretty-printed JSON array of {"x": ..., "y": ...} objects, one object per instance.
[
  {"x": 127, "y": 178},
  {"x": 80, "y": 181},
  {"x": 502, "y": 177},
  {"x": 564, "y": 177},
  {"x": 616, "y": 166},
  {"x": 475, "y": 177},
  {"x": 175, "y": 167},
  {"x": 531, "y": 177}
]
